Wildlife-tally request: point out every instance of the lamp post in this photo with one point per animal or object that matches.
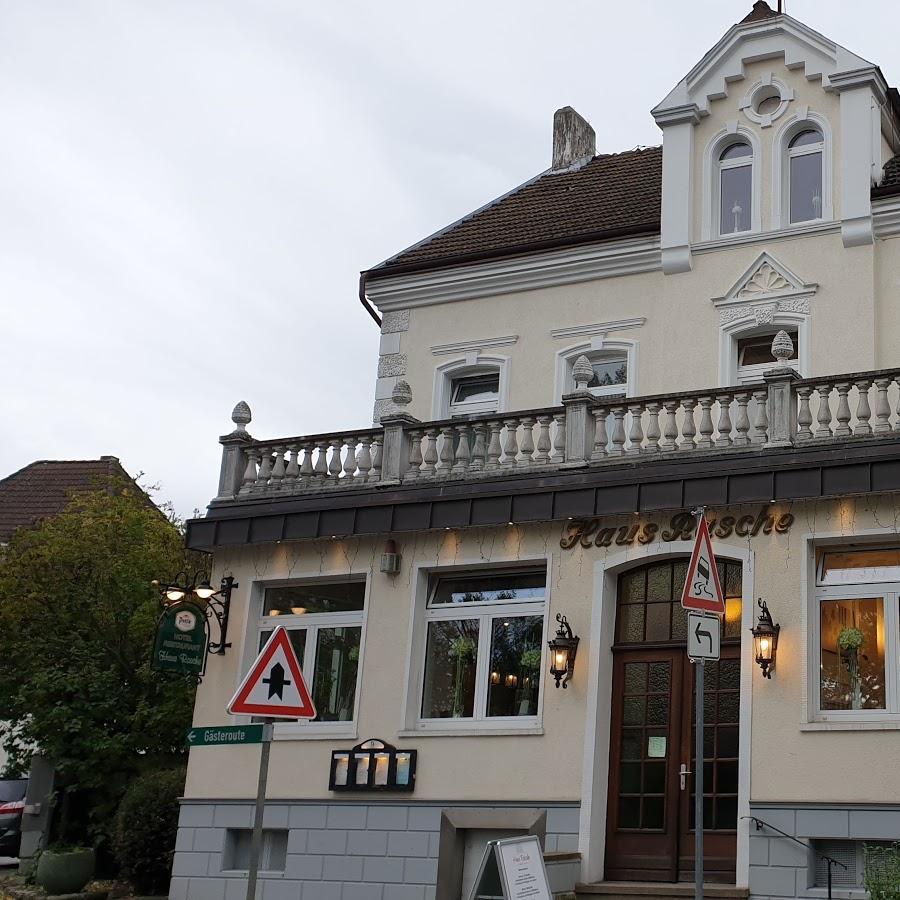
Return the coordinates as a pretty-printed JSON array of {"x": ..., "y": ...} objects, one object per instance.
[
  {"x": 216, "y": 604},
  {"x": 765, "y": 639}
]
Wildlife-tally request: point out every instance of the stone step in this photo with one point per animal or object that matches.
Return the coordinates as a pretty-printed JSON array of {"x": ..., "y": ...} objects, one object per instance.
[{"x": 630, "y": 890}]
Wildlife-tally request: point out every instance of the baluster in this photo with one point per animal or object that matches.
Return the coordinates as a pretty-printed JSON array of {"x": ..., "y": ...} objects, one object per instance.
[
  {"x": 292, "y": 472},
  {"x": 742, "y": 423},
  {"x": 804, "y": 414},
  {"x": 350, "y": 460},
  {"x": 364, "y": 458},
  {"x": 415, "y": 456},
  {"x": 601, "y": 438},
  {"x": 265, "y": 470},
  {"x": 823, "y": 413},
  {"x": 843, "y": 410},
  {"x": 653, "y": 428},
  {"x": 723, "y": 427},
  {"x": 494, "y": 449},
  {"x": 278, "y": 468},
  {"x": 688, "y": 429},
  {"x": 461, "y": 460},
  {"x": 618, "y": 433},
  {"x": 882, "y": 407},
  {"x": 320, "y": 472},
  {"x": 636, "y": 430},
  {"x": 511, "y": 446},
  {"x": 250, "y": 471},
  {"x": 377, "y": 457},
  {"x": 527, "y": 448},
  {"x": 431, "y": 455},
  {"x": 478, "y": 448},
  {"x": 542, "y": 457},
  {"x": 761, "y": 425},
  {"x": 559, "y": 438},
  {"x": 863, "y": 411},
  {"x": 334, "y": 466},
  {"x": 706, "y": 425},
  {"x": 670, "y": 431},
  {"x": 445, "y": 462},
  {"x": 306, "y": 466}
]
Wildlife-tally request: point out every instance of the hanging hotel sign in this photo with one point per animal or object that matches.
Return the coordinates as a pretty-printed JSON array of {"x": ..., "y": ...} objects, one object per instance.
[
  {"x": 373, "y": 765},
  {"x": 592, "y": 532},
  {"x": 181, "y": 640}
]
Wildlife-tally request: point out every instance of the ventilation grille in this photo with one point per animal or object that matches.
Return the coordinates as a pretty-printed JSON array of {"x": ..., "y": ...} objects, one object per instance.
[{"x": 851, "y": 854}]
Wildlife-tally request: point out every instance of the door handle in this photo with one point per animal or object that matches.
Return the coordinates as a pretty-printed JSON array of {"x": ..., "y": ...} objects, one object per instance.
[{"x": 683, "y": 772}]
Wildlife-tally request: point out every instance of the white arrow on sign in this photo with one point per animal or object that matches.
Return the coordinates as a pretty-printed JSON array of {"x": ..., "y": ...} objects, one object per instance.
[{"x": 704, "y": 636}]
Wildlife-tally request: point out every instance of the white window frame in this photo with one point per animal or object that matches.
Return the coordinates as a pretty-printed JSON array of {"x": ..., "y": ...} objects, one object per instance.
[
  {"x": 731, "y": 333},
  {"x": 712, "y": 172},
  {"x": 804, "y": 120},
  {"x": 472, "y": 407},
  {"x": 889, "y": 592},
  {"x": 311, "y": 623},
  {"x": 597, "y": 348},
  {"x": 473, "y": 363},
  {"x": 752, "y": 374},
  {"x": 479, "y": 722}
]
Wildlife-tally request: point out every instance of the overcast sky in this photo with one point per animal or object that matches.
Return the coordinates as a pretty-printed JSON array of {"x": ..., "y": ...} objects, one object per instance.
[{"x": 189, "y": 189}]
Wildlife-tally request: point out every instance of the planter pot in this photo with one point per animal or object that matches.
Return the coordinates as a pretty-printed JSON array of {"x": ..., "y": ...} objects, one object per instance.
[{"x": 65, "y": 871}]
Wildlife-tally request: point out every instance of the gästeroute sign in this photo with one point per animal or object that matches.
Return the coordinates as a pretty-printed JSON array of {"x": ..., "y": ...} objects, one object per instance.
[{"x": 181, "y": 640}]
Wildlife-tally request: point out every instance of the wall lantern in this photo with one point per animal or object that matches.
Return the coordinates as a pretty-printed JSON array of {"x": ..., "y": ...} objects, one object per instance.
[
  {"x": 562, "y": 652},
  {"x": 216, "y": 604},
  {"x": 765, "y": 640},
  {"x": 390, "y": 558}
]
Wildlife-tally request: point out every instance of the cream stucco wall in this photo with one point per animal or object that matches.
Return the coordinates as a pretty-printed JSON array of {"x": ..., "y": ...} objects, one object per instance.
[
  {"x": 789, "y": 763},
  {"x": 678, "y": 345}
]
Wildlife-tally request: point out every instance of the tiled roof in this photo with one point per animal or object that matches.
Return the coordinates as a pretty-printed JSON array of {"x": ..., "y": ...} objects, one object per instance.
[
  {"x": 761, "y": 11},
  {"x": 44, "y": 489},
  {"x": 890, "y": 183},
  {"x": 613, "y": 195}
]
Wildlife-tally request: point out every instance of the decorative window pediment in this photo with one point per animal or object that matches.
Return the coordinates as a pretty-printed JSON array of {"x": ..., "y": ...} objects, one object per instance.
[{"x": 765, "y": 288}]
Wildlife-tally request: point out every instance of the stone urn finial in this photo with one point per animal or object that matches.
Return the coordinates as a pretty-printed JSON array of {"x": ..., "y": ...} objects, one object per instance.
[
  {"x": 402, "y": 393},
  {"x": 782, "y": 349},
  {"x": 241, "y": 417},
  {"x": 582, "y": 373}
]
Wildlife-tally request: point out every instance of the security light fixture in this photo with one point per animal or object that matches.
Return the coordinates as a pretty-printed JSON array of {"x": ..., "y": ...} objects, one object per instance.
[
  {"x": 562, "y": 652},
  {"x": 765, "y": 639},
  {"x": 215, "y": 604}
]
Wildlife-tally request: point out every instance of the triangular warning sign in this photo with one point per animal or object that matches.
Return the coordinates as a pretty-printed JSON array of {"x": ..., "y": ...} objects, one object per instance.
[
  {"x": 274, "y": 686},
  {"x": 701, "y": 587}
]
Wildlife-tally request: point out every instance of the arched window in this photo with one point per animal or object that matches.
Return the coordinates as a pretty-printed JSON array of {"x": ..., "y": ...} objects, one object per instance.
[
  {"x": 735, "y": 186},
  {"x": 805, "y": 152}
]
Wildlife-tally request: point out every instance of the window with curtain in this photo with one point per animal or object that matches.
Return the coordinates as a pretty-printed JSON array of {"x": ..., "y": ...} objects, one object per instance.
[
  {"x": 805, "y": 153},
  {"x": 735, "y": 188}
]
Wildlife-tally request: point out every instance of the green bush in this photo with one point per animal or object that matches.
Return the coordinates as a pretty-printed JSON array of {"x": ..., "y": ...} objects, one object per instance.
[
  {"x": 146, "y": 825},
  {"x": 882, "y": 878}
]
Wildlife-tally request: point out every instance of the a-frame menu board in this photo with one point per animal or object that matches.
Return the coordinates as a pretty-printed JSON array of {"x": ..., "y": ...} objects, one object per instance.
[{"x": 512, "y": 869}]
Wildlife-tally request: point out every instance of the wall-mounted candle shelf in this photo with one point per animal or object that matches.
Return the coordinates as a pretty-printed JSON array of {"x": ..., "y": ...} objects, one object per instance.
[{"x": 373, "y": 765}]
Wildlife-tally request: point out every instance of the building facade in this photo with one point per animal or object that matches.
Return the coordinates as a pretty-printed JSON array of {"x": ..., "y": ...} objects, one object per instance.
[{"x": 564, "y": 375}]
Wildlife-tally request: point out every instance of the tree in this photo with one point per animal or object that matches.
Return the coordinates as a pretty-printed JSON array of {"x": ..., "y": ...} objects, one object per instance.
[{"x": 77, "y": 621}]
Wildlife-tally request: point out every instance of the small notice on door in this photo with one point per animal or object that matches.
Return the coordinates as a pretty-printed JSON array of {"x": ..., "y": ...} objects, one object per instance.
[{"x": 519, "y": 863}]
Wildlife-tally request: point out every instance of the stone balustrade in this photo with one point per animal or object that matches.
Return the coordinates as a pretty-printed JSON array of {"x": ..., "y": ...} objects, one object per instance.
[{"x": 781, "y": 411}]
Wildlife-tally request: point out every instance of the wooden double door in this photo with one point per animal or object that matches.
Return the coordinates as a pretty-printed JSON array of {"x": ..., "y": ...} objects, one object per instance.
[{"x": 650, "y": 815}]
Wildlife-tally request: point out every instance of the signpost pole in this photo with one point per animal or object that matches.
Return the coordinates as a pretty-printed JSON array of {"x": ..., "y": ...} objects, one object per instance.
[
  {"x": 256, "y": 840},
  {"x": 698, "y": 781}
]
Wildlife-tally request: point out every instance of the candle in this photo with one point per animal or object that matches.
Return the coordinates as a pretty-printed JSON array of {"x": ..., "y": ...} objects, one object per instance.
[
  {"x": 382, "y": 761},
  {"x": 342, "y": 761},
  {"x": 403, "y": 768}
]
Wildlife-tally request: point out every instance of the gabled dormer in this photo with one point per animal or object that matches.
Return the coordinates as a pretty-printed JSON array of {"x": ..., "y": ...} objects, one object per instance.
[{"x": 776, "y": 129}]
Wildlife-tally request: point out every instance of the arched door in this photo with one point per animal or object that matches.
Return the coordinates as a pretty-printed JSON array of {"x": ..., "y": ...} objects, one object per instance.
[{"x": 650, "y": 828}]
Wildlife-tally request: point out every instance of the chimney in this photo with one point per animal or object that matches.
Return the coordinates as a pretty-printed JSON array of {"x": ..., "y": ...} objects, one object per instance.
[{"x": 574, "y": 141}]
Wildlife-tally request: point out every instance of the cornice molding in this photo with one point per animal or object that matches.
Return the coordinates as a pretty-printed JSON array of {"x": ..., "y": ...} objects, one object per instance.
[
  {"x": 524, "y": 273},
  {"x": 479, "y": 344},
  {"x": 886, "y": 217},
  {"x": 597, "y": 328}
]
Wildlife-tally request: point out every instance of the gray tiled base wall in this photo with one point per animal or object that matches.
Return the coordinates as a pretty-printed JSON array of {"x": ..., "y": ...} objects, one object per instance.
[
  {"x": 336, "y": 851},
  {"x": 781, "y": 868}
]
